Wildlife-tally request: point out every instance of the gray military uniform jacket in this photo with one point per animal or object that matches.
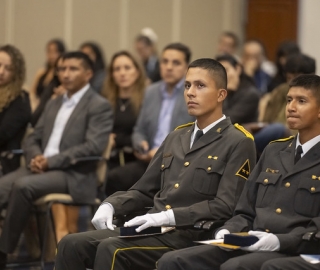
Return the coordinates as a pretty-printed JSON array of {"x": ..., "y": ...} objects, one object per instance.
[
  {"x": 203, "y": 182},
  {"x": 280, "y": 197}
]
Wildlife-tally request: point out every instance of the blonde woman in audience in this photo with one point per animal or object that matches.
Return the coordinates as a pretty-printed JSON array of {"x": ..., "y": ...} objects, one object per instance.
[
  {"x": 124, "y": 88},
  {"x": 15, "y": 109},
  {"x": 54, "y": 49}
]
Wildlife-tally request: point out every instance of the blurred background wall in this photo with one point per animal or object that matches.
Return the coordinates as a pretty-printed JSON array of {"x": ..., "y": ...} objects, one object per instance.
[{"x": 29, "y": 24}]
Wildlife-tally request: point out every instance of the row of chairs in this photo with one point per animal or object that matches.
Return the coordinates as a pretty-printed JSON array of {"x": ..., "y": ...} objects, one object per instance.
[{"x": 43, "y": 205}]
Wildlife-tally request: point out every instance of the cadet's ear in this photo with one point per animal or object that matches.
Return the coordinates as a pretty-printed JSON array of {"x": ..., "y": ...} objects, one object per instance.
[{"x": 222, "y": 95}]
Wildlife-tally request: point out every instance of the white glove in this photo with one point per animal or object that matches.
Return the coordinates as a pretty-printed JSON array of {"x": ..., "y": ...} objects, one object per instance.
[
  {"x": 103, "y": 217},
  {"x": 267, "y": 242},
  {"x": 220, "y": 234},
  {"x": 149, "y": 220}
]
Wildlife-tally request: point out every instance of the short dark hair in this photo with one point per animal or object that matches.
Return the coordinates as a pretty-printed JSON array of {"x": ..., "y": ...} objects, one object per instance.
[
  {"x": 216, "y": 70},
  {"x": 180, "y": 47},
  {"x": 287, "y": 48},
  {"x": 144, "y": 39},
  {"x": 86, "y": 61},
  {"x": 309, "y": 82},
  {"x": 300, "y": 64},
  {"x": 233, "y": 36},
  {"x": 228, "y": 58},
  {"x": 99, "y": 63}
]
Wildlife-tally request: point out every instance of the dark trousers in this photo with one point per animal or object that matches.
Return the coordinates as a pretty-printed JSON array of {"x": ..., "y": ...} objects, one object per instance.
[
  {"x": 102, "y": 249},
  {"x": 290, "y": 263},
  {"x": 207, "y": 257},
  {"x": 18, "y": 190}
]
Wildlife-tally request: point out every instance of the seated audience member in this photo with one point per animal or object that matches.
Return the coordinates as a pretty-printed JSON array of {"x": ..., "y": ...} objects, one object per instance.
[
  {"x": 228, "y": 44},
  {"x": 163, "y": 109},
  {"x": 197, "y": 173},
  {"x": 53, "y": 90},
  {"x": 145, "y": 45},
  {"x": 276, "y": 106},
  {"x": 15, "y": 111},
  {"x": 253, "y": 56},
  {"x": 54, "y": 49},
  {"x": 280, "y": 199},
  {"x": 72, "y": 126},
  {"x": 124, "y": 88},
  {"x": 95, "y": 53},
  {"x": 242, "y": 101},
  {"x": 285, "y": 50}
]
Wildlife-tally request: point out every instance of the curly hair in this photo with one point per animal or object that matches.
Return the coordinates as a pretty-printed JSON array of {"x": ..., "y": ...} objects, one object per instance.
[
  {"x": 111, "y": 90},
  {"x": 13, "y": 89}
]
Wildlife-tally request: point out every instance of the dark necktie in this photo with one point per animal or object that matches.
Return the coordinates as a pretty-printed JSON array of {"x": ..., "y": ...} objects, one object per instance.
[
  {"x": 298, "y": 154},
  {"x": 197, "y": 137}
]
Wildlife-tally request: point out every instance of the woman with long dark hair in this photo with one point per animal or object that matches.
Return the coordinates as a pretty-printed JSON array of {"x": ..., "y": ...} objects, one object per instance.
[
  {"x": 54, "y": 49},
  {"x": 95, "y": 53},
  {"x": 15, "y": 111}
]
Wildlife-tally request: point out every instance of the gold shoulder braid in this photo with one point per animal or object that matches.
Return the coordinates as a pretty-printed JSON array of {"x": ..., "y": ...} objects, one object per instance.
[
  {"x": 282, "y": 140},
  {"x": 243, "y": 130},
  {"x": 184, "y": 125}
]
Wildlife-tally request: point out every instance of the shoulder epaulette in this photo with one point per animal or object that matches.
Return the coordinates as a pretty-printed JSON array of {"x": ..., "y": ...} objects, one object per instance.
[
  {"x": 184, "y": 125},
  {"x": 243, "y": 130},
  {"x": 282, "y": 140}
]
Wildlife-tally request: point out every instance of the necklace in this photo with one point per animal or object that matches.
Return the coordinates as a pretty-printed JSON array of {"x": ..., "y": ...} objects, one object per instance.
[{"x": 123, "y": 104}]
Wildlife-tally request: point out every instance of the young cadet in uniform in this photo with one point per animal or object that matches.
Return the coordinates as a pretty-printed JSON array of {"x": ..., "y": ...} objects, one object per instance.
[
  {"x": 190, "y": 178},
  {"x": 279, "y": 200}
]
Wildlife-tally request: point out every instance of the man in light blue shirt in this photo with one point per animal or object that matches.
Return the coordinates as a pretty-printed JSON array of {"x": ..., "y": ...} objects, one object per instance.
[{"x": 163, "y": 109}]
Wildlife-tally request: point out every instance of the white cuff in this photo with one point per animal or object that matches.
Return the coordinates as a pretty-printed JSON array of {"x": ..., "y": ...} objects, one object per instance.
[{"x": 170, "y": 214}]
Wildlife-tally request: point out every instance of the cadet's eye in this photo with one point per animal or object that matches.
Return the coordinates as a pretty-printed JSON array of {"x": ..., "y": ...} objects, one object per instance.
[
  {"x": 302, "y": 101},
  {"x": 186, "y": 86}
]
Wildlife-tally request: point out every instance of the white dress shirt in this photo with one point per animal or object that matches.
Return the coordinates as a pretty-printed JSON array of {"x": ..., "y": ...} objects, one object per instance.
[
  {"x": 307, "y": 145},
  {"x": 63, "y": 115},
  {"x": 205, "y": 130}
]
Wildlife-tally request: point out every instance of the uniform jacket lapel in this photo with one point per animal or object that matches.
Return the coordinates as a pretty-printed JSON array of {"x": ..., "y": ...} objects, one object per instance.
[
  {"x": 185, "y": 139},
  {"x": 287, "y": 156},
  {"x": 310, "y": 159}
]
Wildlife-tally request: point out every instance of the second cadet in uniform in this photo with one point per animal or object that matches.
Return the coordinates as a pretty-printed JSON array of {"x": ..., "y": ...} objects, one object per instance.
[{"x": 280, "y": 201}]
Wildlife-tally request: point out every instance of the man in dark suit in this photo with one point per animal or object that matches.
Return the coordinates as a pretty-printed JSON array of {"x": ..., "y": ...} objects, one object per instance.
[
  {"x": 190, "y": 178},
  {"x": 280, "y": 201},
  {"x": 163, "y": 109},
  {"x": 72, "y": 126}
]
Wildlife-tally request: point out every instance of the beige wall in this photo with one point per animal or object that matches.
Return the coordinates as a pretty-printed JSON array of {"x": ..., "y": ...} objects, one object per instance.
[
  {"x": 308, "y": 32},
  {"x": 29, "y": 24}
]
